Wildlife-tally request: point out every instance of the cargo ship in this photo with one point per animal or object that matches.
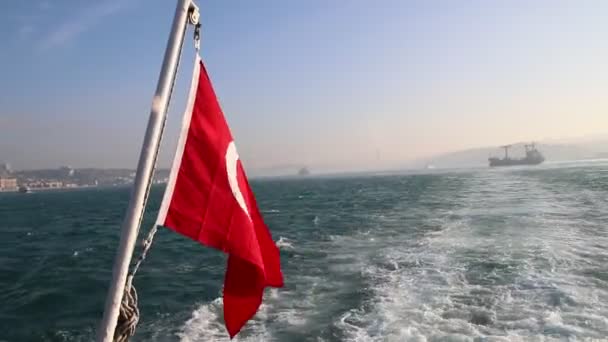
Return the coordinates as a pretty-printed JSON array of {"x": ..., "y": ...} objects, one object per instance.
[{"x": 533, "y": 157}]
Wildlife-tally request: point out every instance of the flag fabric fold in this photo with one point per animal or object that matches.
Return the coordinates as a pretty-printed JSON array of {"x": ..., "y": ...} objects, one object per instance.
[{"x": 208, "y": 199}]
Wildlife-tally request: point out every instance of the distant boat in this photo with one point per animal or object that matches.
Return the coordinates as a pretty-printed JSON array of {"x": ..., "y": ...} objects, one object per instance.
[
  {"x": 303, "y": 172},
  {"x": 429, "y": 166},
  {"x": 533, "y": 157},
  {"x": 24, "y": 189}
]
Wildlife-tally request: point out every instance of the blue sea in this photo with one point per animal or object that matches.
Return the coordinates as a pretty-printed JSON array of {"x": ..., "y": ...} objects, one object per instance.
[{"x": 514, "y": 254}]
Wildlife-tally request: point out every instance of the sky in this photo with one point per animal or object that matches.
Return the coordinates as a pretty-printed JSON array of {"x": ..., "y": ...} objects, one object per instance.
[{"x": 332, "y": 84}]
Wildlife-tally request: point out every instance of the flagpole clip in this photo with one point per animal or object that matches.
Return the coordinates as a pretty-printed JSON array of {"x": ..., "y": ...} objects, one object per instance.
[
  {"x": 194, "y": 19},
  {"x": 193, "y": 14}
]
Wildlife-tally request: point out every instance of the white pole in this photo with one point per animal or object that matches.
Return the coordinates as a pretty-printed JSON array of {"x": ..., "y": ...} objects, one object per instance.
[{"x": 145, "y": 167}]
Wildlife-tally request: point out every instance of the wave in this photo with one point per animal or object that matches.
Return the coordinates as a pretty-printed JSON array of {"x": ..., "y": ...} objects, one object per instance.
[
  {"x": 206, "y": 324},
  {"x": 279, "y": 308},
  {"x": 284, "y": 243},
  {"x": 271, "y": 211}
]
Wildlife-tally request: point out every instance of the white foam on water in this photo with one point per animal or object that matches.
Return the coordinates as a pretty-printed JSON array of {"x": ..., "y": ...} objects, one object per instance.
[
  {"x": 206, "y": 324},
  {"x": 271, "y": 211},
  {"x": 184, "y": 267},
  {"x": 467, "y": 280},
  {"x": 284, "y": 243},
  {"x": 284, "y": 309}
]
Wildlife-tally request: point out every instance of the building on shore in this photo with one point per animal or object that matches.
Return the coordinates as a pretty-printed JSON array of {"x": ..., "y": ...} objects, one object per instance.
[
  {"x": 45, "y": 184},
  {"x": 8, "y": 183}
]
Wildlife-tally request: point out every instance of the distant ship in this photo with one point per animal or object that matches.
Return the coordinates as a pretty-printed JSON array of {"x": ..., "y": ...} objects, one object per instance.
[
  {"x": 533, "y": 157},
  {"x": 24, "y": 189},
  {"x": 303, "y": 172}
]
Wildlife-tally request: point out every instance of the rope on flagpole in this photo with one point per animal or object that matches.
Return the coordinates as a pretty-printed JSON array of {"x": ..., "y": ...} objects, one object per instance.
[{"x": 129, "y": 311}]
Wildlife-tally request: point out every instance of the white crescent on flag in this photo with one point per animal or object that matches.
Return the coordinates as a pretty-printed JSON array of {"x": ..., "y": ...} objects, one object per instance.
[{"x": 232, "y": 156}]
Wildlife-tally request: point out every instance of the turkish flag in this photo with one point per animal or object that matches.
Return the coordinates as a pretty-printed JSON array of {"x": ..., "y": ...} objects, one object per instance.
[{"x": 208, "y": 199}]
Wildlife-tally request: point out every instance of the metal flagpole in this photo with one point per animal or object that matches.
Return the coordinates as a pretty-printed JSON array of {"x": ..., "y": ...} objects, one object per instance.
[{"x": 145, "y": 168}]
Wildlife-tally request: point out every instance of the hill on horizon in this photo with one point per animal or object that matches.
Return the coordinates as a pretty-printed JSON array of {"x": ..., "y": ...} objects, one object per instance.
[{"x": 553, "y": 151}]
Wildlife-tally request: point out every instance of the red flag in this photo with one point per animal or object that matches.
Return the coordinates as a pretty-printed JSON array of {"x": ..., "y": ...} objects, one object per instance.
[{"x": 208, "y": 199}]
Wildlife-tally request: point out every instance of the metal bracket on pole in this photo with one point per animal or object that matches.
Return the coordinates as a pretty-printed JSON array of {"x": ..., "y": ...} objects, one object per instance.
[{"x": 184, "y": 13}]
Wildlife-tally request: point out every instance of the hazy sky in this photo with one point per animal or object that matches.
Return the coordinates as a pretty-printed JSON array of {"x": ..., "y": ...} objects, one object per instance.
[{"x": 328, "y": 83}]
